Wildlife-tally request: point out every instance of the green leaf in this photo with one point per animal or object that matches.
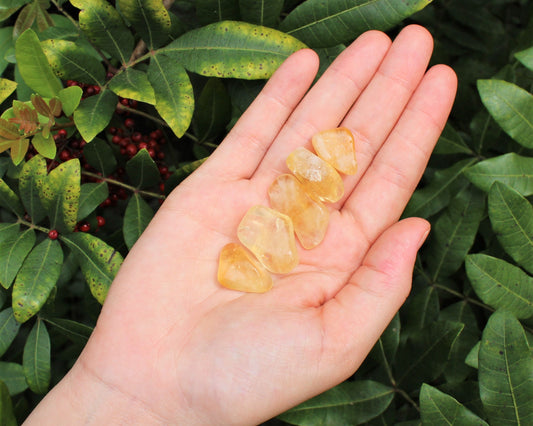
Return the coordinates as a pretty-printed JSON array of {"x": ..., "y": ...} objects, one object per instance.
[
  {"x": 6, "y": 88},
  {"x": 438, "y": 408},
  {"x": 34, "y": 67},
  {"x": 44, "y": 146},
  {"x": 174, "y": 97},
  {"x": 213, "y": 110},
  {"x": 36, "y": 278},
  {"x": 94, "y": 114},
  {"x": 511, "y": 216},
  {"x": 526, "y": 57},
  {"x": 75, "y": 331},
  {"x": 142, "y": 170},
  {"x": 13, "y": 251},
  {"x": 424, "y": 356},
  {"x": 512, "y": 169},
  {"x": 420, "y": 310},
  {"x": 18, "y": 150},
  {"x": 149, "y": 18},
  {"x": 91, "y": 196},
  {"x": 505, "y": 366},
  {"x": 60, "y": 194},
  {"x": 511, "y": 107},
  {"x": 104, "y": 27},
  {"x": 324, "y": 24},
  {"x": 137, "y": 216},
  {"x": 10, "y": 200},
  {"x": 348, "y": 403},
  {"x": 99, "y": 262},
  {"x": 133, "y": 84},
  {"x": 437, "y": 194},
  {"x": 12, "y": 375},
  {"x": 6, "y": 45},
  {"x": 384, "y": 351},
  {"x": 71, "y": 62},
  {"x": 9, "y": 328},
  {"x": 6, "y": 407},
  {"x": 209, "y": 11},
  {"x": 70, "y": 98},
  {"x": 500, "y": 284},
  {"x": 454, "y": 233},
  {"x": 100, "y": 155},
  {"x": 31, "y": 180},
  {"x": 261, "y": 12},
  {"x": 36, "y": 358},
  {"x": 8, "y": 230},
  {"x": 473, "y": 356},
  {"x": 451, "y": 142},
  {"x": 233, "y": 49}
]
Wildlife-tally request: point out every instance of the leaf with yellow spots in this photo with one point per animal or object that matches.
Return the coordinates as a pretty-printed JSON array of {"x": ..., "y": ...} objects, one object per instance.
[
  {"x": 99, "y": 262},
  {"x": 60, "y": 195}
]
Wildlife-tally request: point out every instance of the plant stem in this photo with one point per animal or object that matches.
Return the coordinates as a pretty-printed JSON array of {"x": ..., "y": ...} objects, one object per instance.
[
  {"x": 142, "y": 114},
  {"x": 408, "y": 398},
  {"x": 124, "y": 185},
  {"x": 33, "y": 225}
]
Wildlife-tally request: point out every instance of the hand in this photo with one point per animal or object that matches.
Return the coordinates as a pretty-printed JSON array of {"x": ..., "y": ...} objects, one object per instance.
[{"x": 174, "y": 347}]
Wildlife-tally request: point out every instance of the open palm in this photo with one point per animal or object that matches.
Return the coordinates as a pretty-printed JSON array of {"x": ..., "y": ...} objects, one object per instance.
[{"x": 175, "y": 345}]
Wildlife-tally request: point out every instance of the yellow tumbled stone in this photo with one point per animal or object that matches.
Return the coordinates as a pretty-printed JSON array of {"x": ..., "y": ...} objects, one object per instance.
[
  {"x": 337, "y": 147},
  {"x": 309, "y": 217},
  {"x": 239, "y": 270},
  {"x": 269, "y": 235},
  {"x": 319, "y": 178}
]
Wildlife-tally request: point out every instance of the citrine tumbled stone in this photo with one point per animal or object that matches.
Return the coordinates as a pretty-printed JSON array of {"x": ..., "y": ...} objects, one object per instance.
[
  {"x": 319, "y": 178},
  {"x": 239, "y": 270},
  {"x": 269, "y": 235},
  {"x": 309, "y": 217},
  {"x": 337, "y": 147}
]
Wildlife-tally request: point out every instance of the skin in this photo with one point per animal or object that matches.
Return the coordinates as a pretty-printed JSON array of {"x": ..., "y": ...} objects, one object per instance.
[{"x": 172, "y": 346}]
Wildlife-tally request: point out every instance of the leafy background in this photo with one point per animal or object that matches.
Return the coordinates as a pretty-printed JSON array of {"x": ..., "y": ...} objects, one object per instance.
[{"x": 96, "y": 128}]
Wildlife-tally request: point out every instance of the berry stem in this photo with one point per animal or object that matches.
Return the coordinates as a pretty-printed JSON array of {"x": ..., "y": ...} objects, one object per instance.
[{"x": 123, "y": 185}]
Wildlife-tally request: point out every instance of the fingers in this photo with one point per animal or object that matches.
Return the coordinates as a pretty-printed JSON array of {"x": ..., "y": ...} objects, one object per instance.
[
  {"x": 382, "y": 193},
  {"x": 244, "y": 147},
  {"x": 355, "y": 318}
]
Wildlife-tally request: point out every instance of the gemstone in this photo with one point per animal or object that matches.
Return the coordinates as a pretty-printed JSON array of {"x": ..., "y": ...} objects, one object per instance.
[
  {"x": 337, "y": 147},
  {"x": 309, "y": 217},
  {"x": 269, "y": 235},
  {"x": 239, "y": 270},
  {"x": 319, "y": 178}
]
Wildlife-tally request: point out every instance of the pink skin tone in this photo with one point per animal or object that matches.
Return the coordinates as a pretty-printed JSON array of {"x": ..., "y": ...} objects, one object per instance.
[{"x": 173, "y": 347}]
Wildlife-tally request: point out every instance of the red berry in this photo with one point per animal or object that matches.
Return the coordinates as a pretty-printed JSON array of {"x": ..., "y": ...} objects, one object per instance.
[
  {"x": 116, "y": 139},
  {"x": 89, "y": 90},
  {"x": 133, "y": 103},
  {"x": 125, "y": 102},
  {"x": 161, "y": 155},
  {"x": 96, "y": 89},
  {"x": 129, "y": 122},
  {"x": 143, "y": 145},
  {"x": 57, "y": 137},
  {"x": 154, "y": 135},
  {"x": 131, "y": 150},
  {"x": 152, "y": 143},
  {"x": 85, "y": 227},
  {"x": 53, "y": 234},
  {"x": 100, "y": 221},
  {"x": 125, "y": 141},
  {"x": 62, "y": 133},
  {"x": 64, "y": 155},
  {"x": 152, "y": 153},
  {"x": 109, "y": 75},
  {"x": 112, "y": 130},
  {"x": 162, "y": 187},
  {"x": 163, "y": 170},
  {"x": 136, "y": 137}
]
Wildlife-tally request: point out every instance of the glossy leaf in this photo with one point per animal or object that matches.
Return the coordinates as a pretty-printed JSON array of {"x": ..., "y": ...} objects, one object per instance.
[
  {"x": 34, "y": 67},
  {"x": 12, "y": 375},
  {"x": 451, "y": 142},
  {"x": 36, "y": 358},
  {"x": 209, "y": 11},
  {"x": 213, "y": 110},
  {"x": 94, "y": 114},
  {"x": 511, "y": 216},
  {"x": 142, "y": 170},
  {"x": 511, "y": 107},
  {"x": 137, "y": 216},
  {"x": 71, "y": 62},
  {"x": 6, "y": 407},
  {"x": 100, "y": 155},
  {"x": 438, "y": 408},
  {"x": 13, "y": 251},
  {"x": 261, "y": 12},
  {"x": 98, "y": 261},
  {"x": 454, "y": 233},
  {"x": 500, "y": 284},
  {"x": 10, "y": 200},
  {"x": 44, "y": 146},
  {"x": 149, "y": 18},
  {"x": 420, "y": 310},
  {"x": 19, "y": 148},
  {"x": 437, "y": 194},
  {"x": 6, "y": 88},
  {"x": 91, "y": 196},
  {"x": 512, "y": 169},
  {"x": 31, "y": 180},
  {"x": 133, "y": 84},
  {"x": 526, "y": 57},
  {"x": 424, "y": 356},
  {"x": 37, "y": 276},
  {"x": 505, "y": 366},
  {"x": 348, "y": 403},
  {"x": 233, "y": 49},
  {"x": 9, "y": 328},
  {"x": 174, "y": 97},
  {"x": 74, "y": 331},
  {"x": 104, "y": 27},
  {"x": 472, "y": 359},
  {"x": 70, "y": 98},
  {"x": 324, "y": 24},
  {"x": 60, "y": 194}
]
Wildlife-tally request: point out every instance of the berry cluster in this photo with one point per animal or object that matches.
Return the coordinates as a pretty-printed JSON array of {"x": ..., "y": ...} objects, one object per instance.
[{"x": 88, "y": 89}]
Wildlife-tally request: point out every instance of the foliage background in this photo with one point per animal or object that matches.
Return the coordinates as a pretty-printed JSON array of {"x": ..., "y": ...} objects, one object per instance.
[{"x": 459, "y": 351}]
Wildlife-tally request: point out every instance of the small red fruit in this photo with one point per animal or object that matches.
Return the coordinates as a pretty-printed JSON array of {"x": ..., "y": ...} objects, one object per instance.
[
  {"x": 129, "y": 122},
  {"x": 62, "y": 133},
  {"x": 100, "y": 221},
  {"x": 131, "y": 150},
  {"x": 116, "y": 139},
  {"x": 53, "y": 234},
  {"x": 85, "y": 227}
]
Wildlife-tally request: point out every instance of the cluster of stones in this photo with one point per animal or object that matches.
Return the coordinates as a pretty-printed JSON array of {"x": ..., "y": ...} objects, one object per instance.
[{"x": 267, "y": 234}]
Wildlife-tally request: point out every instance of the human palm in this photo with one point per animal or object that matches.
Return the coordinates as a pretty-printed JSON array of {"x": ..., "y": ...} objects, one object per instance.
[{"x": 174, "y": 342}]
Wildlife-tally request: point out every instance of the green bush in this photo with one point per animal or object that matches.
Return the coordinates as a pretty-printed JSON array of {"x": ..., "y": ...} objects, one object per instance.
[{"x": 106, "y": 106}]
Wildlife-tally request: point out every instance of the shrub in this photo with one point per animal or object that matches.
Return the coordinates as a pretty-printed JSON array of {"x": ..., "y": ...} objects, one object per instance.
[{"x": 107, "y": 106}]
